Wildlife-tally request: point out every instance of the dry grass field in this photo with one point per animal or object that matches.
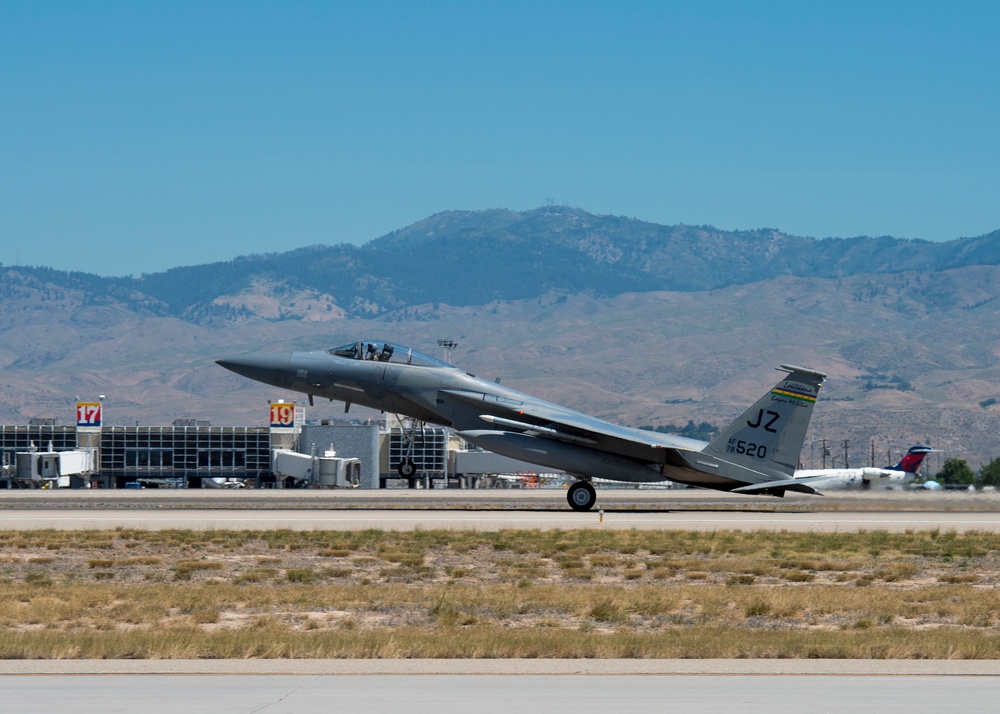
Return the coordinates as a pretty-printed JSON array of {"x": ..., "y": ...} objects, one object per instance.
[{"x": 386, "y": 594}]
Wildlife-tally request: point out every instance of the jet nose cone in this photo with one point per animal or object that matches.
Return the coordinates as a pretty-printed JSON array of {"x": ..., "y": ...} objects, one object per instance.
[{"x": 267, "y": 368}]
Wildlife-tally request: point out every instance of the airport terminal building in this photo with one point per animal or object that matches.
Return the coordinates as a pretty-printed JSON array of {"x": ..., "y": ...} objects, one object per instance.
[
  {"x": 193, "y": 454},
  {"x": 182, "y": 455}
]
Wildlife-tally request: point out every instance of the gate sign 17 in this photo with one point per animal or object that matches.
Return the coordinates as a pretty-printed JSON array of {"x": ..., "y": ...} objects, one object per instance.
[
  {"x": 88, "y": 413},
  {"x": 282, "y": 415}
]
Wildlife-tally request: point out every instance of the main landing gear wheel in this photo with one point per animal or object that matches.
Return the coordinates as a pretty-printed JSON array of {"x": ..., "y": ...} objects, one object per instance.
[
  {"x": 406, "y": 468},
  {"x": 581, "y": 496}
]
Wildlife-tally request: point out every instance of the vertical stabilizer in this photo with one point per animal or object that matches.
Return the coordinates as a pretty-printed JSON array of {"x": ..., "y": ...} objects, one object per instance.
[
  {"x": 911, "y": 459},
  {"x": 768, "y": 437}
]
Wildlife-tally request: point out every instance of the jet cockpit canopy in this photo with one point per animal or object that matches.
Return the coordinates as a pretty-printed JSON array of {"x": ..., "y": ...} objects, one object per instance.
[{"x": 375, "y": 351}]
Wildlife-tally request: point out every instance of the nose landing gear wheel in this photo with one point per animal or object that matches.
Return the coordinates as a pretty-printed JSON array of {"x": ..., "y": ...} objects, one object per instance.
[
  {"x": 406, "y": 468},
  {"x": 581, "y": 496}
]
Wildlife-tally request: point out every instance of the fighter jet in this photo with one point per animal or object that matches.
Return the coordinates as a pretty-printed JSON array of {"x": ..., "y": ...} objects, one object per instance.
[
  {"x": 866, "y": 479},
  {"x": 756, "y": 454}
]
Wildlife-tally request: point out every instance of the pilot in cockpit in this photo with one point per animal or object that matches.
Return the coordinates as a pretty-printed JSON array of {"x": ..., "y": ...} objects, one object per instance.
[{"x": 372, "y": 352}]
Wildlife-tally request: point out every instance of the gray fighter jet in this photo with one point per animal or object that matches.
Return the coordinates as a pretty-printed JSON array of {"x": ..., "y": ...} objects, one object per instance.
[{"x": 757, "y": 453}]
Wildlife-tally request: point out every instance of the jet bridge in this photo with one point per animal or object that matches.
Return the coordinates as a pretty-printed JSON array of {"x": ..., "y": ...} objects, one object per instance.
[
  {"x": 52, "y": 468},
  {"x": 326, "y": 471}
]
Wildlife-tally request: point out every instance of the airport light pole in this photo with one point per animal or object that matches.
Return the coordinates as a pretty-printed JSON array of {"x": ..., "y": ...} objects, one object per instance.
[{"x": 448, "y": 346}]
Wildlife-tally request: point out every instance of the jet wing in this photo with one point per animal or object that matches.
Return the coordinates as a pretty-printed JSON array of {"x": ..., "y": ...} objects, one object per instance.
[
  {"x": 567, "y": 423},
  {"x": 550, "y": 421}
]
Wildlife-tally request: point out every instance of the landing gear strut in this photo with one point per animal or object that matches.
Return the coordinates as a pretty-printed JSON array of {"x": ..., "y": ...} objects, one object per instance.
[
  {"x": 407, "y": 467},
  {"x": 581, "y": 496}
]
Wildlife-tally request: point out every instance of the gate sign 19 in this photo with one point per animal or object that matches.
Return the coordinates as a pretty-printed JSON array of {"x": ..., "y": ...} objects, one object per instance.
[
  {"x": 88, "y": 413},
  {"x": 282, "y": 415}
]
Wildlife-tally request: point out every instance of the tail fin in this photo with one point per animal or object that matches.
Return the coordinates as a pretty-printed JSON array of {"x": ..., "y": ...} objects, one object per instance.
[
  {"x": 768, "y": 437},
  {"x": 911, "y": 459}
]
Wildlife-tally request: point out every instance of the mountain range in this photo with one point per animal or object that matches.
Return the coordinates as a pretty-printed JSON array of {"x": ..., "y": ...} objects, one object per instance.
[{"x": 635, "y": 322}]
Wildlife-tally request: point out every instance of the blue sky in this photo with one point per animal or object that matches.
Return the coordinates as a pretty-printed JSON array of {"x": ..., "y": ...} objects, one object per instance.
[{"x": 135, "y": 137}]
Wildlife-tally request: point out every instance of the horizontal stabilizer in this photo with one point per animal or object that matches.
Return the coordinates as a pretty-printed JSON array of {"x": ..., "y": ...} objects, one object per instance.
[{"x": 790, "y": 484}]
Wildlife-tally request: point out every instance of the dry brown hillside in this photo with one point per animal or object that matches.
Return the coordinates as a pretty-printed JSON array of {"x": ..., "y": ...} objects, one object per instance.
[{"x": 912, "y": 358}]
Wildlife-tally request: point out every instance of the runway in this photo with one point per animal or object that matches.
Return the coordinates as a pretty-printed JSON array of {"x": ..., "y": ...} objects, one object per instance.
[
  {"x": 409, "y": 519},
  {"x": 493, "y": 510},
  {"x": 537, "y": 667},
  {"x": 555, "y": 686},
  {"x": 457, "y": 694},
  {"x": 610, "y": 499}
]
